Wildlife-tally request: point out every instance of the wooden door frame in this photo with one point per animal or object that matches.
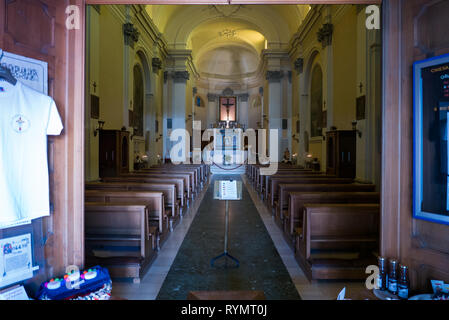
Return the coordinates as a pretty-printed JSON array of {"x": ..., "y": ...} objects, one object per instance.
[
  {"x": 413, "y": 241},
  {"x": 66, "y": 241},
  {"x": 69, "y": 227}
]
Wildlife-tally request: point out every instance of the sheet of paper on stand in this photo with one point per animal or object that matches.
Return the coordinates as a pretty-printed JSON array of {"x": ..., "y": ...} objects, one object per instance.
[{"x": 229, "y": 190}]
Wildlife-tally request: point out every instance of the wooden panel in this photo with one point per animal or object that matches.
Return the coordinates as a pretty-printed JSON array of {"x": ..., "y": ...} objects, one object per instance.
[
  {"x": 416, "y": 243},
  {"x": 37, "y": 29},
  {"x": 37, "y": 16}
]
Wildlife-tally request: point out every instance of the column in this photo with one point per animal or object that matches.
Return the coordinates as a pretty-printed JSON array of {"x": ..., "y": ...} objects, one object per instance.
[
  {"x": 212, "y": 101},
  {"x": 275, "y": 106},
  {"x": 243, "y": 109}
]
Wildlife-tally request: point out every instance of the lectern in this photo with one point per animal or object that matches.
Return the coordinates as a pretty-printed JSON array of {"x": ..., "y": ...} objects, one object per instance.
[{"x": 227, "y": 190}]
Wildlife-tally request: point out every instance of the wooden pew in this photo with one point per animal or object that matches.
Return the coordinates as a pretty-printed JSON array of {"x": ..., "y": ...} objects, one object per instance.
[
  {"x": 203, "y": 169},
  {"x": 281, "y": 204},
  {"x": 122, "y": 230},
  {"x": 168, "y": 189},
  {"x": 154, "y": 202},
  {"x": 265, "y": 180},
  {"x": 193, "y": 175},
  {"x": 337, "y": 240},
  {"x": 259, "y": 177},
  {"x": 148, "y": 176},
  {"x": 276, "y": 181},
  {"x": 180, "y": 186},
  {"x": 340, "y": 194}
]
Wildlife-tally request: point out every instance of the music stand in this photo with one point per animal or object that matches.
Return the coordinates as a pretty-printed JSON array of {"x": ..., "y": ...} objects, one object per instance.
[{"x": 223, "y": 190}]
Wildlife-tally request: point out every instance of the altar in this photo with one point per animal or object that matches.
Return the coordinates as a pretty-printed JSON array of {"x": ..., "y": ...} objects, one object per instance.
[{"x": 228, "y": 147}]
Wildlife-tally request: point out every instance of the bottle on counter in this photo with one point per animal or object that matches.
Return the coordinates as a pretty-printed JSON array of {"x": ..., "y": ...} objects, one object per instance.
[
  {"x": 403, "y": 283},
  {"x": 393, "y": 277},
  {"x": 382, "y": 278}
]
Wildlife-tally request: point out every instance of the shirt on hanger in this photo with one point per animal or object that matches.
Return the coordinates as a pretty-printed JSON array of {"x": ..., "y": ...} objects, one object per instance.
[{"x": 26, "y": 118}]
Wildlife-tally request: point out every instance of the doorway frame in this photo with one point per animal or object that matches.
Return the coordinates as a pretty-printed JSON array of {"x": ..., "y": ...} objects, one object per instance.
[{"x": 72, "y": 237}]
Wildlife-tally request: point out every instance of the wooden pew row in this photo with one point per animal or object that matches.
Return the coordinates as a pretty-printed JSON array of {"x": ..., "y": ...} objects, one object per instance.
[
  {"x": 338, "y": 241},
  {"x": 202, "y": 171},
  {"x": 349, "y": 194},
  {"x": 281, "y": 204},
  {"x": 258, "y": 182},
  {"x": 168, "y": 189},
  {"x": 265, "y": 182},
  {"x": 203, "y": 168},
  {"x": 272, "y": 194},
  {"x": 180, "y": 186},
  {"x": 119, "y": 238},
  {"x": 194, "y": 176},
  {"x": 148, "y": 176},
  {"x": 154, "y": 202}
]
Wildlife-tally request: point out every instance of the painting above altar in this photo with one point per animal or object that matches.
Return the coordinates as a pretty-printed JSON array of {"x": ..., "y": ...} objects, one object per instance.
[{"x": 228, "y": 109}]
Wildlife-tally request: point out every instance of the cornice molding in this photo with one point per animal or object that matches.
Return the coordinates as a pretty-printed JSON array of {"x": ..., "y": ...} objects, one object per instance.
[
  {"x": 150, "y": 27},
  {"x": 274, "y": 76},
  {"x": 118, "y": 12}
]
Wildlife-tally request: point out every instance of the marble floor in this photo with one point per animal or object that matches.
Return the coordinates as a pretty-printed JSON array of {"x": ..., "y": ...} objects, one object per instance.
[{"x": 156, "y": 278}]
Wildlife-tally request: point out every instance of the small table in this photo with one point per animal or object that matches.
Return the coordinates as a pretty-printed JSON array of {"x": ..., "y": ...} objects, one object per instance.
[{"x": 226, "y": 295}]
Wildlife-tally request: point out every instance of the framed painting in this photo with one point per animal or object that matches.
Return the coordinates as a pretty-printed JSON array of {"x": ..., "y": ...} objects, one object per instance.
[{"x": 431, "y": 140}]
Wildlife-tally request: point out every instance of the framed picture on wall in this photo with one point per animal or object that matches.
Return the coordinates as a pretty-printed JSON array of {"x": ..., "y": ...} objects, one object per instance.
[
  {"x": 431, "y": 140},
  {"x": 94, "y": 107},
  {"x": 130, "y": 118},
  {"x": 324, "y": 121},
  {"x": 360, "y": 108}
]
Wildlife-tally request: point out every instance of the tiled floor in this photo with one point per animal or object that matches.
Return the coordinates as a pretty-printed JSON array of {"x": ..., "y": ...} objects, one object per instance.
[
  {"x": 261, "y": 267},
  {"x": 150, "y": 285}
]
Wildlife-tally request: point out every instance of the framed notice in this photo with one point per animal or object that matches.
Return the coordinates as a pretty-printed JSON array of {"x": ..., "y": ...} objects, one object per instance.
[
  {"x": 431, "y": 140},
  {"x": 15, "y": 259},
  {"x": 31, "y": 72}
]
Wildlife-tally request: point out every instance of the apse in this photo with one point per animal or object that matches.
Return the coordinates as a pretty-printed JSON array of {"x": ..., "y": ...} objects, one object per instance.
[{"x": 228, "y": 61}]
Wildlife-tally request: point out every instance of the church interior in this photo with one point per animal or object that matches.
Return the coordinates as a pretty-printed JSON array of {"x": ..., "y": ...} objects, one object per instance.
[
  {"x": 312, "y": 73},
  {"x": 286, "y": 133}
]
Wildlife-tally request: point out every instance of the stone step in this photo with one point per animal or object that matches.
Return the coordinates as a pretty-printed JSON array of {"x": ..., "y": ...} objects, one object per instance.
[{"x": 226, "y": 169}]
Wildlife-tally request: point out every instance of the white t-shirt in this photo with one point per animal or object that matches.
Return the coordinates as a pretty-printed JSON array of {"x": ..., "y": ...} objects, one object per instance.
[{"x": 26, "y": 118}]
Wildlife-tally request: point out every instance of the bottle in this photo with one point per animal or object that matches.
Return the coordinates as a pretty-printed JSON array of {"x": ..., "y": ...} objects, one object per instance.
[
  {"x": 403, "y": 283},
  {"x": 393, "y": 277},
  {"x": 382, "y": 277}
]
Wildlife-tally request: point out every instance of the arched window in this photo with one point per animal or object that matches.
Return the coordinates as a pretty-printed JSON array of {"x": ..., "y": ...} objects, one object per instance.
[
  {"x": 316, "y": 102},
  {"x": 138, "y": 100}
]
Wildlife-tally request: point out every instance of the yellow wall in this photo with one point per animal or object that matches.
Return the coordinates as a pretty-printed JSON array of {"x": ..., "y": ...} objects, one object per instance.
[
  {"x": 345, "y": 69},
  {"x": 111, "y": 71}
]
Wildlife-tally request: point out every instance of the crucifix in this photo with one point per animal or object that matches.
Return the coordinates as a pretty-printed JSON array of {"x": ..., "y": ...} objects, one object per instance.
[{"x": 227, "y": 105}]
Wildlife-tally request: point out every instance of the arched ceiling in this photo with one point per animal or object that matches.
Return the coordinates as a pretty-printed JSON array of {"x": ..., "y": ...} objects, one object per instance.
[{"x": 227, "y": 40}]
